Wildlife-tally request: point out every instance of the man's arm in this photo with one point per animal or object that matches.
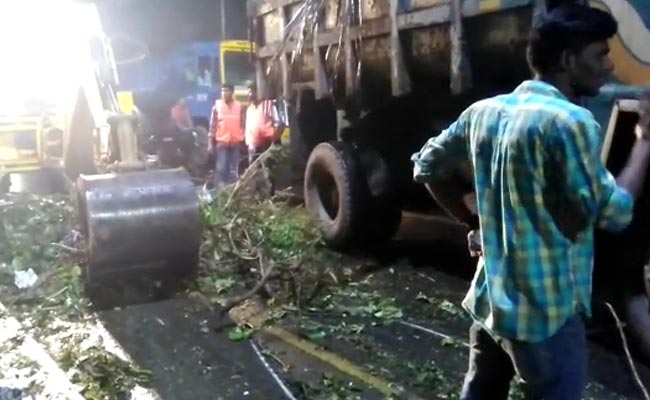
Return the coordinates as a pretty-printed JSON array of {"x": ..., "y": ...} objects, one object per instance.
[
  {"x": 437, "y": 164},
  {"x": 449, "y": 195},
  {"x": 592, "y": 194}
]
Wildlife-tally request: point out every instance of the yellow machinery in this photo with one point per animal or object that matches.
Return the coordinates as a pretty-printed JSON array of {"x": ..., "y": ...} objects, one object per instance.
[
  {"x": 58, "y": 110},
  {"x": 57, "y": 106}
]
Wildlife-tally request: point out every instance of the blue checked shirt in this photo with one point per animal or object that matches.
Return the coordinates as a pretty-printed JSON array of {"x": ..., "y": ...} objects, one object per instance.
[{"x": 534, "y": 160}]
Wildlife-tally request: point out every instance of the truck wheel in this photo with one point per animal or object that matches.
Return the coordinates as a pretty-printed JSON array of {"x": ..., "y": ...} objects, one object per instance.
[{"x": 332, "y": 192}]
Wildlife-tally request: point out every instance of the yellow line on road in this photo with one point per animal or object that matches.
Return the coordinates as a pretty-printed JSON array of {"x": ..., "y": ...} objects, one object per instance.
[{"x": 384, "y": 387}]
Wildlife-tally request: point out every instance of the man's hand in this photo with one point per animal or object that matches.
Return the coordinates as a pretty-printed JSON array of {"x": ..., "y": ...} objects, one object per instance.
[{"x": 474, "y": 243}]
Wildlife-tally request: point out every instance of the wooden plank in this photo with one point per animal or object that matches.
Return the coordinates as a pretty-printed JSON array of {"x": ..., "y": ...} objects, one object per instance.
[
  {"x": 460, "y": 71},
  {"x": 284, "y": 64},
  {"x": 400, "y": 80},
  {"x": 320, "y": 77}
]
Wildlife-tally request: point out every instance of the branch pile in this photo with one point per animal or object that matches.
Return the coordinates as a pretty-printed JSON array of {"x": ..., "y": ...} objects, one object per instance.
[{"x": 272, "y": 249}]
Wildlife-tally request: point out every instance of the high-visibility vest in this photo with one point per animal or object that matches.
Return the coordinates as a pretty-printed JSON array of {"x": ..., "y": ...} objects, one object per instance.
[
  {"x": 259, "y": 124},
  {"x": 229, "y": 124}
]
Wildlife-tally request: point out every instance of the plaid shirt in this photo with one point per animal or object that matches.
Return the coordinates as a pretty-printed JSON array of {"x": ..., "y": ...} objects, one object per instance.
[{"x": 534, "y": 160}]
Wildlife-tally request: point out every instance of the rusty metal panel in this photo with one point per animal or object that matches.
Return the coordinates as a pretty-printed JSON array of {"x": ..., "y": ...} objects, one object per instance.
[
  {"x": 273, "y": 74},
  {"x": 373, "y": 9},
  {"x": 376, "y": 51},
  {"x": 375, "y": 71},
  {"x": 272, "y": 29},
  {"x": 331, "y": 14},
  {"x": 302, "y": 68},
  {"x": 431, "y": 50},
  {"x": 292, "y": 10}
]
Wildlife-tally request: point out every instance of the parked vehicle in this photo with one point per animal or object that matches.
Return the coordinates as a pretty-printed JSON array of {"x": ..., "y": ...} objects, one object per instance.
[
  {"x": 194, "y": 71},
  {"x": 370, "y": 81}
]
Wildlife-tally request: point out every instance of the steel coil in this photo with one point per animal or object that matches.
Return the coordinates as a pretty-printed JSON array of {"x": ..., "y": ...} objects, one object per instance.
[{"x": 139, "y": 221}]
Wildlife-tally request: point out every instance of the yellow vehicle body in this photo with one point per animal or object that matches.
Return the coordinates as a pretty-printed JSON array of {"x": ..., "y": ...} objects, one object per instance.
[
  {"x": 234, "y": 46},
  {"x": 57, "y": 116},
  {"x": 20, "y": 145}
]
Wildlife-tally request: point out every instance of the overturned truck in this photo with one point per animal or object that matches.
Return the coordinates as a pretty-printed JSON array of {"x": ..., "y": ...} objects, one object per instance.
[{"x": 370, "y": 80}]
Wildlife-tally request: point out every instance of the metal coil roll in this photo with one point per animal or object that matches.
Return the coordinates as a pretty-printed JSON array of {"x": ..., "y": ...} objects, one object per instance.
[{"x": 146, "y": 220}]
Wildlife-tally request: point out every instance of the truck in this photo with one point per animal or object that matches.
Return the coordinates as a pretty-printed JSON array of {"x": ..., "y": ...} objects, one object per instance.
[
  {"x": 194, "y": 71},
  {"x": 369, "y": 81}
]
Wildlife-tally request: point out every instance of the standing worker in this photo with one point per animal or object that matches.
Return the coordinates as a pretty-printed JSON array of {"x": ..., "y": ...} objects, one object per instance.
[
  {"x": 180, "y": 115},
  {"x": 263, "y": 124},
  {"x": 534, "y": 158},
  {"x": 226, "y": 136}
]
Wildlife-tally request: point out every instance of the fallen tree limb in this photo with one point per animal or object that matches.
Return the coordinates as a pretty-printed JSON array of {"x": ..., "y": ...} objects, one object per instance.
[
  {"x": 69, "y": 249},
  {"x": 255, "y": 290}
]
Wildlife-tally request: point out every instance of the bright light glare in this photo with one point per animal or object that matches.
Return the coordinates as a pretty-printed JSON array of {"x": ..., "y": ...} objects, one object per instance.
[{"x": 44, "y": 53}]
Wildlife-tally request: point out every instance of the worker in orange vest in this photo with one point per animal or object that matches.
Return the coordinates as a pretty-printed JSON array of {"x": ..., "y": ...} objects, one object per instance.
[
  {"x": 263, "y": 125},
  {"x": 226, "y": 136}
]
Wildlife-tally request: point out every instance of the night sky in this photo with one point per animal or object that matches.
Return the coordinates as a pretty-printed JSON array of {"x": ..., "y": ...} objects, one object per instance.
[{"x": 162, "y": 24}]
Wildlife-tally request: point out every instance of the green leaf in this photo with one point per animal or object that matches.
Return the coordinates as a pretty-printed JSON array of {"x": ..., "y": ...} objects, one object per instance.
[
  {"x": 316, "y": 335},
  {"x": 238, "y": 334}
]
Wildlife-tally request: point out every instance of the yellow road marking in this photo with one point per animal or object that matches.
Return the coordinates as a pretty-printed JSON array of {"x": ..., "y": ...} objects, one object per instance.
[{"x": 384, "y": 387}]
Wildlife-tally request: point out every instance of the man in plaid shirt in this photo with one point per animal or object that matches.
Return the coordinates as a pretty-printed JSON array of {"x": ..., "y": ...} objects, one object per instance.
[{"x": 534, "y": 158}]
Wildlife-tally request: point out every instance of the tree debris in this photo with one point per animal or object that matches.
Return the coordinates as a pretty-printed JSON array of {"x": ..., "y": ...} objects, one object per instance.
[
  {"x": 273, "y": 249},
  {"x": 41, "y": 248}
]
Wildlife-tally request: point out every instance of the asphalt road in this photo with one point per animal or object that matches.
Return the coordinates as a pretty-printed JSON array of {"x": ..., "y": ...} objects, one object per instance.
[
  {"x": 398, "y": 333},
  {"x": 418, "y": 353}
]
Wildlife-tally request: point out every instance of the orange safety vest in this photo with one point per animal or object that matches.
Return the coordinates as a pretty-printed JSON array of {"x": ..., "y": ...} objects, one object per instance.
[
  {"x": 229, "y": 124},
  {"x": 259, "y": 124}
]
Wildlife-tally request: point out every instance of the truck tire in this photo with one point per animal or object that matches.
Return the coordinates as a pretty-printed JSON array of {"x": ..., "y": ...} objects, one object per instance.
[
  {"x": 332, "y": 193},
  {"x": 337, "y": 194}
]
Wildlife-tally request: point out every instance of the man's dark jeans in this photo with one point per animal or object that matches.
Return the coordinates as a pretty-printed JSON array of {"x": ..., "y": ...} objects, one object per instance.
[
  {"x": 227, "y": 160},
  {"x": 554, "y": 369}
]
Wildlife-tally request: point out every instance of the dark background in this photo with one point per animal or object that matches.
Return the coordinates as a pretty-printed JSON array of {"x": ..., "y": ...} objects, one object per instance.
[{"x": 162, "y": 24}]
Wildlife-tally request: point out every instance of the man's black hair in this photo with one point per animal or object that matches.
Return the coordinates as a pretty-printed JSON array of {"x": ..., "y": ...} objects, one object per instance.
[
  {"x": 566, "y": 26},
  {"x": 227, "y": 86}
]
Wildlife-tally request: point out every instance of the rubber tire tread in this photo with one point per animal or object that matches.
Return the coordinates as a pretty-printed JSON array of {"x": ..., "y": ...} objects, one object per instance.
[{"x": 336, "y": 159}]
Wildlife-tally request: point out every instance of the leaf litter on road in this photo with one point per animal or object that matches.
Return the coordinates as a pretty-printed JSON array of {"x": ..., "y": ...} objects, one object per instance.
[{"x": 40, "y": 233}]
